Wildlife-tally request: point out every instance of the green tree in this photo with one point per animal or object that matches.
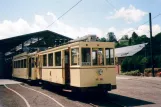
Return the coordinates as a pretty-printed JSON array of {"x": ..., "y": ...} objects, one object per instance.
[
  {"x": 125, "y": 37},
  {"x": 130, "y": 42},
  {"x": 134, "y": 36},
  {"x": 103, "y": 39},
  {"x": 111, "y": 37}
]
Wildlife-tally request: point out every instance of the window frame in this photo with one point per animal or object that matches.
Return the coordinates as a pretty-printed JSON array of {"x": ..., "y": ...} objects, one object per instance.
[
  {"x": 43, "y": 60},
  {"x": 78, "y": 56},
  {"x": 52, "y": 59},
  {"x": 82, "y": 57},
  {"x": 25, "y": 63},
  {"x": 56, "y": 59},
  {"x": 103, "y": 52},
  {"x": 109, "y": 52}
]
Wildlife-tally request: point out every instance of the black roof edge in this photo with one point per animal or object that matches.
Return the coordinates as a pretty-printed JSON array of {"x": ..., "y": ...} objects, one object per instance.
[{"x": 33, "y": 33}]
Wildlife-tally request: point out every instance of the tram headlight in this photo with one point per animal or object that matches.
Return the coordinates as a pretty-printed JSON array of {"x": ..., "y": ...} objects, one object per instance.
[{"x": 100, "y": 71}]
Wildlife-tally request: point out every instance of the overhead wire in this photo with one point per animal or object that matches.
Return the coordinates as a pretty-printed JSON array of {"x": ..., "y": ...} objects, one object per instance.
[
  {"x": 143, "y": 24},
  {"x": 111, "y": 5},
  {"x": 137, "y": 26},
  {"x": 64, "y": 13}
]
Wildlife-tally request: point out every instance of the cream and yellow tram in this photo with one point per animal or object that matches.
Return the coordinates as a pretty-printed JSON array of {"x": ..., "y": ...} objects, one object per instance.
[
  {"x": 25, "y": 66},
  {"x": 80, "y": 65}
]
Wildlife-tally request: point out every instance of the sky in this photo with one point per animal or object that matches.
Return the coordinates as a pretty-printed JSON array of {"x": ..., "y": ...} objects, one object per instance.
[{"x": 97, "y": 17}]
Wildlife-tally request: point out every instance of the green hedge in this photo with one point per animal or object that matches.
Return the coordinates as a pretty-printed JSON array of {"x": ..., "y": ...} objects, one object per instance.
[{"x": 132, "y": 73}]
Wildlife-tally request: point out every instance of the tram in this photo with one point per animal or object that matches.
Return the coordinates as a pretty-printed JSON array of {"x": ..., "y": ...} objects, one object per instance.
[{"x": 79, "y": 64}]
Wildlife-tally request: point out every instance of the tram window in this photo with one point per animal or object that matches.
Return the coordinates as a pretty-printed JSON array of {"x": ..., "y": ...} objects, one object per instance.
[
  {"x": 75, "y": 55},
  {"x": 15, "y": 64},
  {"x": 36, "y": 62},
  {"x": 86, "y": 57},
  {"x": 58, "y": 58},
  {"x": 25, "y": 63},
  {"x": 50, "y": 59},
  {"x": 98, "y": 56},
  {"x": 21, "y": 63},
  {"x": 32, "y": 62},
  {"x": 44, "y": 60},
  {"x": 109, "y": 57}
]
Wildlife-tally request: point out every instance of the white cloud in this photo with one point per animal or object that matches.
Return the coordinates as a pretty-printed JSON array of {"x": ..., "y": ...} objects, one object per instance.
[
  {"x": 9, "y": 28},
  {"x": 130, "y": 14},
  {"x": 143, "y": 29}
]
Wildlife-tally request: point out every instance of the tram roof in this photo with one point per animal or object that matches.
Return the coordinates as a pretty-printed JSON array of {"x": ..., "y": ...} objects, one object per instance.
[{"x": 9, "y": 43}]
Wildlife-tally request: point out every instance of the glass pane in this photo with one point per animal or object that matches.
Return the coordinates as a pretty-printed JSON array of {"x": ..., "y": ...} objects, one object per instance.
[
  {"x": 32, "y": 62},
  {"x": 44, "y": 60},
  {"x": 19, "y": 66},
  {"x": 50, "y": 59},
  {"x": 112, "y": 56},
  {"x": 86, "y": 57},
  {"x": 98, "y": 56},
  {"x": 109, "y": 56},
  {"x": 58, "y": 58},
  {"x": 21, "y": 63},
  {"x": 75, "y": 55},
  {"x": 25, "y": 63}
]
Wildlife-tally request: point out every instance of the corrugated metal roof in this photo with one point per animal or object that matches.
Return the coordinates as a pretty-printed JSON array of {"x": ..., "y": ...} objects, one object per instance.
[{"x": 129, "y": 50}]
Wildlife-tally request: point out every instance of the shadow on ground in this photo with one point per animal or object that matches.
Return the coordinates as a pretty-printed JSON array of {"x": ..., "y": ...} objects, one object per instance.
[{"x": 102, "y": 100}]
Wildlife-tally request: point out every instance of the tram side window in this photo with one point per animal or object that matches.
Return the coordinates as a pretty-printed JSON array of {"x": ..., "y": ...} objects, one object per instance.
[
  {"x": 86, "y": 57},
  {"x": 44, "y": 60},
  {"x": 98, "y": 56},
  {"x": 25, "y": 63},
  {"x": 58, "y": 58},
  {"x": 50, "y": 59},
  {"x": 32, "y": 62},
  {"x": 75, "y": 56},
  {"x": 15, "y": 64},
  {"x": 21, "y": 63},
  {"x": 109, "y": 56}
]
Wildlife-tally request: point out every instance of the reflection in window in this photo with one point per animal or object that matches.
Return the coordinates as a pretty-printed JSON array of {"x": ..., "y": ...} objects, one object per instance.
[
  {"x": 98, "y": 56},
  {"x": 50, "y": 59},
  {"x": 58, "y": 58},
  {"x": 86, "y": 57},
  {"x": 75, "y": 55},
  {"x": 109, "y": 56},
  {"x": 44, "y": 60}
]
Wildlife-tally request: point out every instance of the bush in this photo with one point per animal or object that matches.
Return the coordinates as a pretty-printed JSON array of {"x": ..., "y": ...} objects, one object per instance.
[
  {"x": 132, "y": 73},
  {"x": 148, "y": 72},
  {"x": 134, "y": 63}
]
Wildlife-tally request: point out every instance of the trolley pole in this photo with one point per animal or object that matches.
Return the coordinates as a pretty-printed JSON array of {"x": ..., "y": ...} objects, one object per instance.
[{"x": 151, "y": 46}]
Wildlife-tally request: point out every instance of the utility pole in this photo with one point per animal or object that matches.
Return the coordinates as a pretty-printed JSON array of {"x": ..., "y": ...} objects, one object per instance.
[{"x": 151, "y": 45}]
